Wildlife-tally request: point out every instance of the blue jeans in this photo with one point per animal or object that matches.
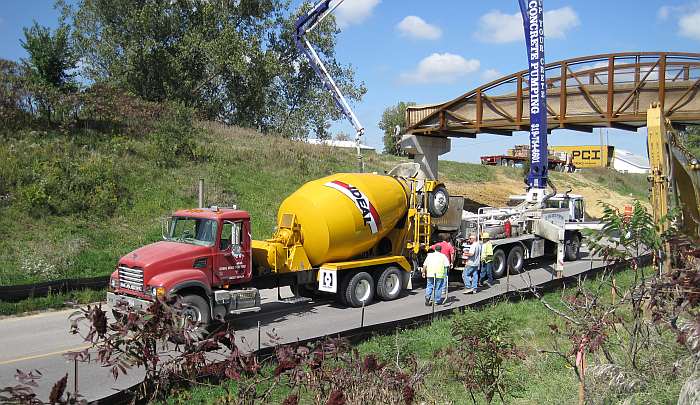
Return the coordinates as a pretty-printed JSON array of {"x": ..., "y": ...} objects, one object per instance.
[
  {"x": 488, "y": 272},
  {"x": 434, "y": 284},
  {"x": 470, "y": 276}
]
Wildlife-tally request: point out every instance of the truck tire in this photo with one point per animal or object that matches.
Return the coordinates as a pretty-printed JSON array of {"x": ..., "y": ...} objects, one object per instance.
[
  {"x": 438, "y": 201},
  {"x": 516, "y": 259},
  {"x": 196, "y": 309},
  {"x": 499, "y": 263},
  {"x": 358, "y": 289},
  {"x": 572, "y": 247},
  {"x": 389, "y": 284}
]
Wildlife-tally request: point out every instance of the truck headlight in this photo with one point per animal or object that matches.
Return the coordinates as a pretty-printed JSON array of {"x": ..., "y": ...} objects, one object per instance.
[
  {"x": 113, "y": 283},
  {"x": 157, "y": 292}
]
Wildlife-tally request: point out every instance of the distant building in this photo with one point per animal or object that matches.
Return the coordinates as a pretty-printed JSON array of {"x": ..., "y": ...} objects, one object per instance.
[
  {"x": 338, "y": 144},
  {"x": 627, "y": 162}
]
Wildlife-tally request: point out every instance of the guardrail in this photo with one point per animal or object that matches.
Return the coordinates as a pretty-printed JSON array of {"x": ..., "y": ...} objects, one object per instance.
[{"x": 43, "y": 289}]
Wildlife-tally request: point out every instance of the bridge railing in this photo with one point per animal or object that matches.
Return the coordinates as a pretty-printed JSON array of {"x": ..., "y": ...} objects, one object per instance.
[{"x": 600, "y": 90}]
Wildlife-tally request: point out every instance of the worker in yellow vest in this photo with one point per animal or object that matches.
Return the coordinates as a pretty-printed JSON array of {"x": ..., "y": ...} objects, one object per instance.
[
  {"x": 435, "y": 269},
  {"x": 486, "y": 259}
]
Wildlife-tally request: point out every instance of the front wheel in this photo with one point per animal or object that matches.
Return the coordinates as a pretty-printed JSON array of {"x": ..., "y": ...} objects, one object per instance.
[
  {"x": 195, "y": 316},
  {"x": 358, "y": 289}
]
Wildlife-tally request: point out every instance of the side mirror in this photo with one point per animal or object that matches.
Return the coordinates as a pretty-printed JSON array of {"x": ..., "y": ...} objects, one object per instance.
[
  {"x": 236, "y": 229},
  {"x": 165, "y": 225}
]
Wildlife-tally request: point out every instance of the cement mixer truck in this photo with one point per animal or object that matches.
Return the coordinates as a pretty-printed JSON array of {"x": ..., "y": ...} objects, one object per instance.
[{"x": 357, "y": 236}]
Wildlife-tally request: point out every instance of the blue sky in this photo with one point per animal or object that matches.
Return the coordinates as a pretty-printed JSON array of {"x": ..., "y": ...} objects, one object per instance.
[{"x": 471, "y": 42}]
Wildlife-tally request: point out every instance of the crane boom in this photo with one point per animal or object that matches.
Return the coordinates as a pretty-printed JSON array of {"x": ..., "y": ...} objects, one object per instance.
[
  {"x": 674, "y": 175},
  {"x": 305, "y": 24}
]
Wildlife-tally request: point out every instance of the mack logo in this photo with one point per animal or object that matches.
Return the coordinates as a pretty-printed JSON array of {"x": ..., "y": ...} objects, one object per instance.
[{"x": 369, "y": 214}]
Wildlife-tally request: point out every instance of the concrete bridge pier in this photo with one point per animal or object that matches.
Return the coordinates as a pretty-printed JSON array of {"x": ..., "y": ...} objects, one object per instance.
[{"x": 425, "y": 151}]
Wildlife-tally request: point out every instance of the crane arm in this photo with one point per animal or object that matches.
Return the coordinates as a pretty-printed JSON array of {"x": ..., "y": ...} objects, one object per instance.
[
  {"x": 674, "y": 174},
  {"x": 305, "y": 24}
]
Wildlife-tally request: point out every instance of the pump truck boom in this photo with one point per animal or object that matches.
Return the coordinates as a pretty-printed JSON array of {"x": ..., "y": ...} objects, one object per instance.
[
  {"x": 355, "y": 235},
  {"x": 304, "y": 25}
]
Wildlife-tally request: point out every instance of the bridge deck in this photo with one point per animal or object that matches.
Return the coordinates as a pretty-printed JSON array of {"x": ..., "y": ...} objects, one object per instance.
[{"x": 611, "y": 90}]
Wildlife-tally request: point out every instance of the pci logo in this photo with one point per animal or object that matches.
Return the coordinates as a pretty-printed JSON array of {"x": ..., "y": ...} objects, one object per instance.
[{"x": 369, "y": 214}]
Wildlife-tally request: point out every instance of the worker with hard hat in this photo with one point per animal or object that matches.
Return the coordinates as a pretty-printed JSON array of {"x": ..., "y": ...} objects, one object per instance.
[{"x": 486, "y": 259}]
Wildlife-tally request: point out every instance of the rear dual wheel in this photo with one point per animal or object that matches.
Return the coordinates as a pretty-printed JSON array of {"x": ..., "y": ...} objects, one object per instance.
[
  {"x": 512, "y": 263},
  {"x": 357, "y": 289}
]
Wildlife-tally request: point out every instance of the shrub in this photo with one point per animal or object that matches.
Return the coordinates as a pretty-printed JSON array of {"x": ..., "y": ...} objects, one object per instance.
[
  {"x": 174, "y": 139},
  {"x": 60, "y": 177},
  {"x": 482, "y": 355}
]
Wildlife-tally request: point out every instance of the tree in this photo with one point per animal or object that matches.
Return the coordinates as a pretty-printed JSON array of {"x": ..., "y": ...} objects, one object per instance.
[
  {"x": 393, "y": 116},
  {"x": 51, "y": 56},
  {"x": 233, "y": 61},
  {"x": 693, "y": 139}
]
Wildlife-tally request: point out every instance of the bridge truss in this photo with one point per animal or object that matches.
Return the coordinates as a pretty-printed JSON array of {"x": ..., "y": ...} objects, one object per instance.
[{"x": 608, "y": 90}]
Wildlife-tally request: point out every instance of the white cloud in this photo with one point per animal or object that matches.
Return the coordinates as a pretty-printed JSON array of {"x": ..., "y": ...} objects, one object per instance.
[
  {"x": 441, "y": 68},
  {"x": 416, "y": 27},
  {"x": 687, "y": 16},
  {"x": 689, "y": 25},
  {"x": 497, "y": 27},
  {"x": 489, "y": 75},
  {"x": 354, "y": 11},
  {"x": 557, "y": 22}
]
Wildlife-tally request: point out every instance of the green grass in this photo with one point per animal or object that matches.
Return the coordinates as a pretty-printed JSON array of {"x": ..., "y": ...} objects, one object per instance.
[
  {"x": 629, "y": 184},
  {"x": 52, "y": 301}
]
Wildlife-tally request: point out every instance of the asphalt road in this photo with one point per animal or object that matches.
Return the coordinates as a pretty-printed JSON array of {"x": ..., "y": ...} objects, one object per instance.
[{"x": 40, "y": 341}]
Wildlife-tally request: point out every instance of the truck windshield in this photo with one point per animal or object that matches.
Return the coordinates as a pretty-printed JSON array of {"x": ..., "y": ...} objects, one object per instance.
[
  {"x": 197, "y": 231},
  {"x": 555, "y": 204}
]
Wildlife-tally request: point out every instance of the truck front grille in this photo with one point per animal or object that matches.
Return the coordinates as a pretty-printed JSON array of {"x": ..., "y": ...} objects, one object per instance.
[{"x": 131, "y": 278}]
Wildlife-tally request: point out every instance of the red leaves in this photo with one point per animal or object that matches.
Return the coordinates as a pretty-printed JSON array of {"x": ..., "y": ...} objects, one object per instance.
[
  {"x": 370, "y": 364},
  {"x": 409, "y": 394},
  {"x": 58, "y": 389},
  {"x": 291, "y": 400},
  {"x": 337, "y": 397}
]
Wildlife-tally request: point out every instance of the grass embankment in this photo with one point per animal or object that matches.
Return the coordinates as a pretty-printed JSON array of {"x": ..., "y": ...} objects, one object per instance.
[
  {"x": 72, "y": 203},
  {"x": 541, "y": 378}
]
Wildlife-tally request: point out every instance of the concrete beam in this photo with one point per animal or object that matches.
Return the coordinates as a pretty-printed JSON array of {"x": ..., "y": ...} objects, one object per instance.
[{"x": 425, "y": 151}]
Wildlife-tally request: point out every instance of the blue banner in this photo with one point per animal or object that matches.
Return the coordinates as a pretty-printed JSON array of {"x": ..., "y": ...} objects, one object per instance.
[{"x": 533, "y": 21}]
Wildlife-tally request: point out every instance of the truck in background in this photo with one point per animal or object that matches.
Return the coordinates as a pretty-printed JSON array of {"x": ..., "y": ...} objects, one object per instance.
[
  {"x": 557, "y": 160},
  {"x": 355, "y": 235}
]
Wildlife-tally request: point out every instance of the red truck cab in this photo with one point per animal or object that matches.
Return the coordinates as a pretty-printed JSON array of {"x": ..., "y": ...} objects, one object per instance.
[{"x": 204, "y": 256}]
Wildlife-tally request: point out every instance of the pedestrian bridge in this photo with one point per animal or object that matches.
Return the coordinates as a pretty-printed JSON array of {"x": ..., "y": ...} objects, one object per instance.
[{"x": 608, "y": 90}]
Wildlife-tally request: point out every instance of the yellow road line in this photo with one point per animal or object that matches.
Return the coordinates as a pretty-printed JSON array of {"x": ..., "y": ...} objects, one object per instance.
[{"x": 38, "y": 356}]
